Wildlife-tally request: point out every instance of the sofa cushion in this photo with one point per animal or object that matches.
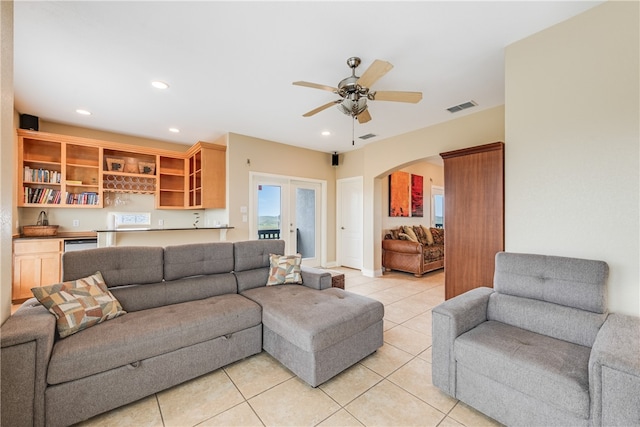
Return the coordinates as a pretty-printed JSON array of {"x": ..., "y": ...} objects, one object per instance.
[
  {"x": 557, "y": 321},
  {"x": 79, "y": 304},
  {"x": 572, "y": 282},
  {"x": 284, "y": 269},
  {"x": 438, "y": 235},
  {"x": 314, "y": 320},
  {"x": 408, "y": 230},
  {"x": 123, "y": 265},
  {"x": 151, "y": 295},
  {"x": 253, "y": 254},
  {"x": 197, "y": 259},
  {"x": 433, "y": 253},
  {"x": 428, "y": 234},
  {"x": 148, "y": 333},
  {"x": 421, "y": 235},
  {"x": 539, "y": 366}
]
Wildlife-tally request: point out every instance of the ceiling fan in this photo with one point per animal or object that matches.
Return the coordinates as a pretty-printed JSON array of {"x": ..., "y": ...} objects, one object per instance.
[{"x": 354, "y": 91}]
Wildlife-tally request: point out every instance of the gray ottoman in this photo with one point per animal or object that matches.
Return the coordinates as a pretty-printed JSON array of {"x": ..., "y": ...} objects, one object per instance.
[{"x": 318, "y": 334}]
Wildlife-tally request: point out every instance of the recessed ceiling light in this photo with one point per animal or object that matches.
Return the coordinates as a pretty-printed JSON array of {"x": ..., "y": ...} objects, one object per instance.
[
  {"x": 174, "y": 130},
  {"x": 159, "y": 85},
  {"x": 326, "y": 133},
  {"x": 83, "y": 112}
]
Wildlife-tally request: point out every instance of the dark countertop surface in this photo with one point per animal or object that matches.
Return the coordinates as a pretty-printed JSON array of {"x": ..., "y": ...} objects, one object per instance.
[
  {"x": 144, "y": 229},
  {"x": 63, "y": 235}
]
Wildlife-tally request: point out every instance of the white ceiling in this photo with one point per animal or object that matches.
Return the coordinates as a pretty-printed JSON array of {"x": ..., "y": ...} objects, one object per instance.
[{"x": 230, "y": 65}]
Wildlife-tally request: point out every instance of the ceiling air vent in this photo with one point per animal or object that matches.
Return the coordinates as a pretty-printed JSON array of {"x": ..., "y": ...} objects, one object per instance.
[
  {"x": 367, "y": 136},
  {"x": 462, "y": 106}
]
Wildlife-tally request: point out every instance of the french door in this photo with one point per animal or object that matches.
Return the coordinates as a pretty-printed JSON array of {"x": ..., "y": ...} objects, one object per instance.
[{"x": 291, "y": 210}]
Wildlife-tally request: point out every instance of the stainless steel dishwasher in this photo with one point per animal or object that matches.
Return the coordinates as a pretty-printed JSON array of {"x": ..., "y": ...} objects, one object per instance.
[{"x": 80, "y": 244}]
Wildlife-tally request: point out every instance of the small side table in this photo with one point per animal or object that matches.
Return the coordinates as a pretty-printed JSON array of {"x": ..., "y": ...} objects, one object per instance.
[{"x": 337, "y": 279}]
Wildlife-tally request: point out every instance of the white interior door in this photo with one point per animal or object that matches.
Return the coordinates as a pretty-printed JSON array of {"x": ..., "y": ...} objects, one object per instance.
[{"x": 350, "y": 218}]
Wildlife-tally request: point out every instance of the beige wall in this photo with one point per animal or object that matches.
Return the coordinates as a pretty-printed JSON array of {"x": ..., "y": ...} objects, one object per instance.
[
  {"x": 274, "y": 158},
  {"x": 375, "y": 160},
  {"x": 572, "y": 152},
  {"x": 6, "y": 155}
]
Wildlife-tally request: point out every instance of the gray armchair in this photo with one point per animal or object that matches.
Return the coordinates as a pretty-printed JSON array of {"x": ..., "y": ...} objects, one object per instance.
[{"x": 540, "y": 348}]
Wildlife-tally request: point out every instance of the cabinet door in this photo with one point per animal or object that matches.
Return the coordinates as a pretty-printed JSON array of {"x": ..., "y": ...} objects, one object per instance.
[
  {"x": 171, "y": 183},
  {"x": 207, "y": 177},
  {"x": 214, "y": 175},
  {"x": 30, "y": 271},
  {"x": 36, "y": 262}
]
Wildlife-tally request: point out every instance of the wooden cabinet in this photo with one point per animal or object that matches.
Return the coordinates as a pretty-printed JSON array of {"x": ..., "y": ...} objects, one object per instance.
[
  {"x": 36, "y": 262},
  {"x": 65, "y": 171},
  {"x": 207, "y": 172},
  {"x": 474, "y": 216},
  {"x": 82, "y": 175},
  {"x": 172, "y": 183},
  {"x": 129, "y": 171}
]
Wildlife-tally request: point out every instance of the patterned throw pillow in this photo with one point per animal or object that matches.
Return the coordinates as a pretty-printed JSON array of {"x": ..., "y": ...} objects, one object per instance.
[
  {"x": 427, "y": 232},
  {"x": 404, "y": 236},
  {"x": 284, "y": 269},
  {"x": 408, "y": 230},
  {"x": 438, "y": 236},
  {"x": 420, "y": 234},
  {"x": 79, "y": 304}
]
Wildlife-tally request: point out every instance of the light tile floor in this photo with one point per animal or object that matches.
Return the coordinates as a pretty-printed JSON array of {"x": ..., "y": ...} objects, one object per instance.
[{"x": 391, "y": 387}]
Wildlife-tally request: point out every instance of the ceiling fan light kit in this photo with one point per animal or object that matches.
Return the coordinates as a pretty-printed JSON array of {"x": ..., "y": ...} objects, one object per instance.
[{"x": 355, "y": 91}]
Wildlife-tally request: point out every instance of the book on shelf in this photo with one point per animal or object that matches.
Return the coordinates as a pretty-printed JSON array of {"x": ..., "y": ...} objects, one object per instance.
[
  {"x": 74, "y": 182},
  {"x": 41, "y": 175},
  {"x": 47, "y": 196},
  {"x": 86, "y": 198}
]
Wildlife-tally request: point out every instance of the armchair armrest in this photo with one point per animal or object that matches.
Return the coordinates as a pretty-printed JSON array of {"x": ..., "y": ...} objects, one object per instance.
[
  {"x": 26, "y": 342},
  {"x": 451, "y": 319},
  {"x": 614, "y": 372},
  {"x": 315, "y": 278},
  {"x": 404, "y": 246}
]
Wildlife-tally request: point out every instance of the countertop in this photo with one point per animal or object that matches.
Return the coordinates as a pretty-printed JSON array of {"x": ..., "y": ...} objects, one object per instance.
[
  {"x": 144, "y": 229},
  {"x": 67, "y": 235}
]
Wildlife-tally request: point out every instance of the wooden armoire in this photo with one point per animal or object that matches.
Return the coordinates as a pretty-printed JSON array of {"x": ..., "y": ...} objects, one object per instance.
[{"x": 473, "y": 216}]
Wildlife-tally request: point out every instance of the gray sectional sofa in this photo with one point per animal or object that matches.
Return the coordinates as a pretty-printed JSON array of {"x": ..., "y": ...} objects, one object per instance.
[
  {"x": 540, "y": 349},
  {"x": 191, "y": 309}
]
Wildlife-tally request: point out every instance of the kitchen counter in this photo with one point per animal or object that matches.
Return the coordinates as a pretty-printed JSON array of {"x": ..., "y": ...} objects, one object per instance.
[
  {"x": 64, "y": 235},
  {"x": 143, "y": 229}
]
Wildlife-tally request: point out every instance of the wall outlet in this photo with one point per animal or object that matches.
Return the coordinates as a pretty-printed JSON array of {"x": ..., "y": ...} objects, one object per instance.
[
  {"x": 76, "y": 223},
  {"x": 161, "y": 222}
]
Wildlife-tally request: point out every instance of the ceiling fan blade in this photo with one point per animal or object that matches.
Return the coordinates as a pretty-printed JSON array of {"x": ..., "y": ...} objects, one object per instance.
[
  {"x": 374, "y": 72},
  {"x": 397, "y": 96},
  {"x": 316, "y": 86},
  {"x": 364, "y": 117},
  {"x": 322, "y": 107}
]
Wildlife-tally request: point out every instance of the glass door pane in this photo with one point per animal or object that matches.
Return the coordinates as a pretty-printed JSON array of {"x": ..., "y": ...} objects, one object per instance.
[
  {"x": 305, "y": 210},
  {"x": 269, "y": 211}
]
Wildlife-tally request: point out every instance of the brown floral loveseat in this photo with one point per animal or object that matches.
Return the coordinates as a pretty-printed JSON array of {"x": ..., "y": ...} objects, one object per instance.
[{"x": 415, "y": 249}]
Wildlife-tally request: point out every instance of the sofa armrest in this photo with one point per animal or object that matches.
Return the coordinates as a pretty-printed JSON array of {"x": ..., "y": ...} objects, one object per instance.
[
  {"x": 614, "y": 372},
  {"x": 315, "y": 278},
  {"x": 451, "y": 319},
  {"x": 26, "y": 342},
  {"x": 403, "y": 246}
]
